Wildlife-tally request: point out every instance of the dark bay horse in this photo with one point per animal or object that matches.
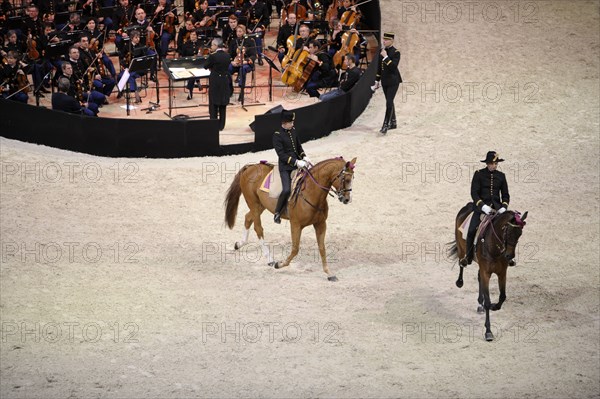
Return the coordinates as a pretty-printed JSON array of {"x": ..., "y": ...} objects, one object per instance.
[
  {"x": 309, "y": 207},
  {"x": 494, "y": 250}
]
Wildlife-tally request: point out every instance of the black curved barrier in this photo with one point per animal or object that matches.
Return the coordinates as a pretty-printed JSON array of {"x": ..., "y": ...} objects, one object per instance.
[{"x": 114, "y": 137}]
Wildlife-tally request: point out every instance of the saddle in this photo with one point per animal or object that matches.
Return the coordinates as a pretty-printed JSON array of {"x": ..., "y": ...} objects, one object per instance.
[{"x": 486, "y": 221}]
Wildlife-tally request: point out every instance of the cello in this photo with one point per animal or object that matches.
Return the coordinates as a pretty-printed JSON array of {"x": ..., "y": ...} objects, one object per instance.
[
  {"x": 291, "y": 45},
  {"x": 349, "y": 40},
  {"x": 296, "y": 8}
]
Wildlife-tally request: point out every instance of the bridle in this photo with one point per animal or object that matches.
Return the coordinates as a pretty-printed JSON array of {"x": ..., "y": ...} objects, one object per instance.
[
  {"x": 519, "y": 225},
  {"x": 342, "y": 184}
]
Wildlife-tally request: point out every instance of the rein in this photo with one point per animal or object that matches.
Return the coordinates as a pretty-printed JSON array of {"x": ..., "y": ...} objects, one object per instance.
[{"x": 520, "y": 224}]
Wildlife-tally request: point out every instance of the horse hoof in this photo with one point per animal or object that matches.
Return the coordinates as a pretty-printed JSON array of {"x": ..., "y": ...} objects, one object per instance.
[
  {"x": 237, "y": 246},
  {"x": 275, "y": 265},
  {"x": 332, "y": 278},
  {"x": 494, "y": 307},
  {"x": 459, "y": 283},
  {"x": 480, "y": 309},
  {"x": 271, "y": 264},
  {"x": 489, "y": 336}
]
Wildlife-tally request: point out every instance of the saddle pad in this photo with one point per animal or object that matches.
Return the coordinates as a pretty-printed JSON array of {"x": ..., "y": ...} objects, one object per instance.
[
  {"x": 272, "y": 183},
  {"x": 464, "y": 227}
]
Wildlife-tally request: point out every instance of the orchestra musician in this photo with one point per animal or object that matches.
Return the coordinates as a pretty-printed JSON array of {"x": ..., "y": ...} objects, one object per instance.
[
  {"x": 32, "y": 25},
  {"x": 76, "y": 91},
  {"x": 284, "y": 33},
  {"x": 80, "y": 73},
  {"x": 74, "y": 23},
  {"x": 184, "y": 34},
  {"x": 163, "y": 10},
  {"x": 192, "y": 48},
  {"x": 136, "y": 48},
  {"x": 13, "y": 79},
  {"x": 94, "y": 35},
  {"x": 62, "y": 101},
  {"x": 346, "y": 6},
  {"x": 258, "y": 19},
  {"x": 122, "y": 18},
  {"x": 243, "y": 53},
  {"x": 228, "y": 33},
  {"x": 335, "y": 37},
  {"x": 323, "y": 75},
  {"x": 203, "y": 17},
  {"x": 104, "y": 84}
]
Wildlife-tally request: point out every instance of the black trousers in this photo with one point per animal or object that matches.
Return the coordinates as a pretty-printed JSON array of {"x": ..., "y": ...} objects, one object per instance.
[
  {"x": 218, "y": 112},
  {"x": 475, "y": 221},
  {"x": 286, "y": 184},
  {"x": 390, "y": 94}
]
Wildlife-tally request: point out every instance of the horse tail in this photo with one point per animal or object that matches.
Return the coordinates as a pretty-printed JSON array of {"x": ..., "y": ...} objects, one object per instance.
[
  {"x": 452, "y": 250},
  {"x": 232, "y": 199}
]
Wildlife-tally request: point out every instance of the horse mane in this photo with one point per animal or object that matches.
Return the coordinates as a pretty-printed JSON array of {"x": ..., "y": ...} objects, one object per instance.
[{"x": 321, "y": 163}]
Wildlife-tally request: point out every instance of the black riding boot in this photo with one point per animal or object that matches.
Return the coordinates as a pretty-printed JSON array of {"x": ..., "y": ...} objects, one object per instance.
[
  {"x": 393, "y": 120},
  {"x": 468, "y": 259},
  {"x": 384, "y": 128},
  {"x": 278, "y": 209}
]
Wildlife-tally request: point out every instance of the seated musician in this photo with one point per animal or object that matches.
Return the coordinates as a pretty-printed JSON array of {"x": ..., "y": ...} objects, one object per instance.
[
  {"x": 123, "y": 16},
  {"x": 13, "y": 44},
  {"x": 258, "y": 20},
  {"x": 163, "y": 10},
  {"x": 15, "y": 79},
  {"x": 348, "y": 80},
  {"x": 323, "y": 74},
  {"x": 242, "y": 51},
  {"x": 62, "y": 101},
  {"x": 32, "y": 25},
  {"x": 96, "y": 39},
  {"x": 80, "y": 72},
  {"x": 203, "y": 17},
  {"x": 284, "y": 33},
  {"x": 104, "y": 84},
  {"x": 229, "y": 30},
  {"x": 346, "y": 6},
  {"x": 74, "y": 23},
  {"x": 184, "y": 34},
  {"x": 135, "y": 49},
  {"x": 76, "y": 91},
  {"x": 335, "y": 37},
  {"x": 192, "y": 47}
]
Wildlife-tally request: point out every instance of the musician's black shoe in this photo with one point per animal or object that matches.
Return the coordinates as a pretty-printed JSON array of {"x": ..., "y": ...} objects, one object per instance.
[
  {"x": 44, "y": 90},
  {"x": 277, "y": 218},
  {"x": 154, "y": 78},
  {"x": 105, "y": 101},
  {"x": 120, "y": 94},
  {"x": 260, "y": 61},
  {"x": 40, "y": 95},
  {"x": 190, "y": 95}
]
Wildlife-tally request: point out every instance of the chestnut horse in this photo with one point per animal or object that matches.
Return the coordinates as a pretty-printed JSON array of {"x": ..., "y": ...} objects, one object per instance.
[
  {"x": 307, "y": 207},
  {"x": 493, "y": 253}
]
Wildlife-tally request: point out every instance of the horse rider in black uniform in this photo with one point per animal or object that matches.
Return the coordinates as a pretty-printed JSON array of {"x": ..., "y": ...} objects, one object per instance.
[
  {"x": 291, "y": 156},
  {"x": 489, "y": 191},
  {"x": 389, "y": 76}
]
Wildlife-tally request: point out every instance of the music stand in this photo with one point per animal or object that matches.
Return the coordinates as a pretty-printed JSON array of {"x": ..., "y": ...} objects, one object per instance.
[
  {"x": 139, "y": 65},
  {"x": 271, "y": 67}
]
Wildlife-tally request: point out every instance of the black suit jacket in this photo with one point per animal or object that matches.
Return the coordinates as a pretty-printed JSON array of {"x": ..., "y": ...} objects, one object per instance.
[
  {"x": 288, "y": 148},
  {"x": 387, "y": 70},
  {"x": 64, "y": 102},
  {"x": 220, "y": 88},
  {"x": 489, "y": 188}
]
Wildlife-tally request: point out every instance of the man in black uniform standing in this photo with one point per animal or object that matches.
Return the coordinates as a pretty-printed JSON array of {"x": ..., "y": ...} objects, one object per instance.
[
  {"x": 489, "y": 191},
  {"x": 291, "y": 156},
  {"x": 389, "y": 76},
  {"x": 220, "y": 87}
]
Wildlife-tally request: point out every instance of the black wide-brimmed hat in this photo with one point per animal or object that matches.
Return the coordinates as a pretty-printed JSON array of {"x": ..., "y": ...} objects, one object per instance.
[
  {"x": 492, "y": 156},
  {"x": 287, "y": 116}
]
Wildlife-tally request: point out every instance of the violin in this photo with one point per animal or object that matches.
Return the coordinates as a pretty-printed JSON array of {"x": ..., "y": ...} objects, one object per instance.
[
  {"x": 79, "y": 90},
  {"x": 32, "y": 51},
  {"x": 22, "y": 83},
  {"x": 239, "y": 58}
]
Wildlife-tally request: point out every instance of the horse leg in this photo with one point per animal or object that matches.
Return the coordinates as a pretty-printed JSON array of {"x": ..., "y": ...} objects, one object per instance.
[
  {"x": 502, "y": 286},
  {"x": 480, "y": 308},
  {"x": 247, "y": 224},
  {"x": 296, "y": 233},
  {"x": 320, "y": 229},
  {"x": 484, "y": 287},
  {"x": 261, "y": 237},
  {"x": 459, "y": 281}
]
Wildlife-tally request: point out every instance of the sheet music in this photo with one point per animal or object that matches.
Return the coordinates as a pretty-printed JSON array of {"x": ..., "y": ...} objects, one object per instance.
[{"x": 200, "y": 72}]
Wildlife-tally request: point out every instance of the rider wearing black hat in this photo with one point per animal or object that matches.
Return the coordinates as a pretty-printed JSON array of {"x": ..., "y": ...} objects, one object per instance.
[
  {"x": 291, "y": 156},
  {"x": 489, "y": 191}
]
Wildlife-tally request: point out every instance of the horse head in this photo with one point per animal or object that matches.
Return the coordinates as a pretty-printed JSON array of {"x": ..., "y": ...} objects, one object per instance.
[
  {"x": 343, "y": 182},
  {"x": 513, "y": 224}
]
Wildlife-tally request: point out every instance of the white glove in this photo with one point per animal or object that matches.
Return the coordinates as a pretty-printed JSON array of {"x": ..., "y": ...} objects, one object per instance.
[
  {"x": 375, "y": 86},
  {"x": 501, "y": 210},
  {"x": 486, "y": 209},
  {"x": 300, "y": 163},
  {"x": 307, "y": 160}
]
